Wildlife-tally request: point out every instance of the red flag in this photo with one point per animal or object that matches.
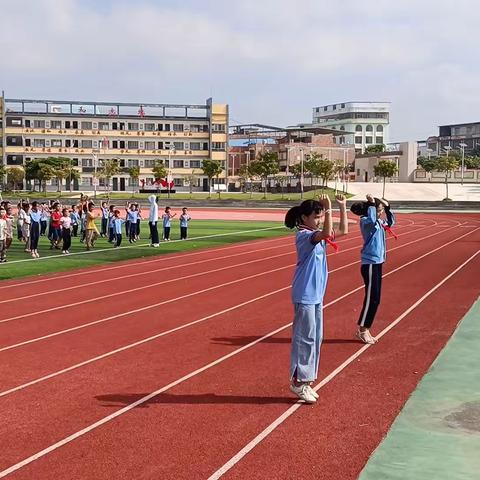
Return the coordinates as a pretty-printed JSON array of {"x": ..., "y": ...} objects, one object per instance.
[{"x": 390, "y": 231}]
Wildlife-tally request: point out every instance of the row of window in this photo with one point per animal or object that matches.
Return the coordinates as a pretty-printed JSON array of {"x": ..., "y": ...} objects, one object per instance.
[
  {"x": 131, "y": 126},
  {"x": 351, "y": 115},
  {"x": 368, "y": 128},
  {"x": 368, "y": 140},
  {"x": 114, "y": 144},
  {"x": 333, "y": 107}
]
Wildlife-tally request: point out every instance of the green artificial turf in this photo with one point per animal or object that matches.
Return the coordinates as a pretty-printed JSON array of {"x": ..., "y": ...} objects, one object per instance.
[{"x": 216, "y": 233}]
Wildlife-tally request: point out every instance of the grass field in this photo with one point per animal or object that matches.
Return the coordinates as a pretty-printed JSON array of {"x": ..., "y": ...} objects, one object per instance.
[
  {"x": 255, "y": 196},
  {"x": 202, "y": 233}
]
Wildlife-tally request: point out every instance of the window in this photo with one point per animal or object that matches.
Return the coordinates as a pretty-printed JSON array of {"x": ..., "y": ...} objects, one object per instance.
[
  {"x": 342, "y": 128},
  {"x": 132, "y": 182},
  {"x": 39, "y": 142},
  {"x": 56, "y": 143},
  {"x": 39, "y": 124},
  {"x": 149, "y": 163},
  {"x": 196, "y": 128},
  {"x": 178, "y": 182},
  {"x": 343, "y": 105},
  {"x": 178, "y": 164},
  {"x": 149, "y": 127},
  {"x": 132, "y": 145},
  {"x": 160, "y": 145},
  {"x": 334, "y": 107},
  {"x": 121, "y": 143},
  {"x": 56, "y": 124},
  {"x": 358, "y": 128},
  {"x": 149, "y": 145},
  {"x": 218, "y": 146},
  {"x": 16, "y": 122},
  {"x": 160, "y": 127},
  {"x": 114, "y": 143},
  {"x": 133, "y": 126},
  {"x": 103, "y": 126},
  {"x": 195, "y": 164},
  {"x": 167, "y": 127},
  {"x": 86, "y": 125},
  {"x": 194, "y": 145},
  {"x": 218, "y": 127},
  {"x": 369, "y": 128},
  {"x": 379, "y": 128},
  {"x": 358, "y": 140},
  {"x": 178, "y": 127},
  {"x": 368, "y": 140},
  {"x": 325, "y": 109},
  {"x": 13, "y": 141},
  {"x": 178, "y": 145},
  {"x": 67, "y": 124},
  {"x": 379, "y": 140},
  {"x": 132, "y": 163},
  {"x": 87, "y": 162},
  {"x": 205, "y": 145},
  {"x": 87, "y": 143},
  {"x": 87, "y": 181},
  {"x": 14, "y": 160}
]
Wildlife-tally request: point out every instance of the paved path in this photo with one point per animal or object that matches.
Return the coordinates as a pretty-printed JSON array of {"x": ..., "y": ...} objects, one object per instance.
[{"x": 415, "y": 191}]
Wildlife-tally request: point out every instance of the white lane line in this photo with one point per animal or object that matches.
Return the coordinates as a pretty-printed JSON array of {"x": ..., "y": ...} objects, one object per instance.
[
  {"x": 111, "y": 249},
  {"x": 168, "y": 257},
  {"x": 276, "y": 423},
  {"x": 180, "y": 327},
  {"x": 146, "y": 398},
  {"x": 148, "y": 272},
  {"x": 79, "y": 327}
]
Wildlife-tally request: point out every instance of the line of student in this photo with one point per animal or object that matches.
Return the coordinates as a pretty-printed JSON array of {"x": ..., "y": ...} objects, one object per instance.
[{"x": 311, "y": 275}]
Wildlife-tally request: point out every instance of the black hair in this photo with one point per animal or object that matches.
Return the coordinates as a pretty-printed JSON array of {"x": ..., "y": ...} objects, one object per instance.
[
  {"x": 361, "y": 208},
  {"x": 293, "y": 218}
]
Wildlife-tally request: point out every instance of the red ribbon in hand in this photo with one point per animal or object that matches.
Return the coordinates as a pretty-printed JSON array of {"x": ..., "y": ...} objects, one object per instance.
[
  {"x": 330, "y": 242},
  {"x": 390, "y": 231}
]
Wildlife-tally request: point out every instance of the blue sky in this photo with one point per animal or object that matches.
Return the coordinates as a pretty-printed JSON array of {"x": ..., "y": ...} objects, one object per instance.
[{"x": 271, "y": 60}]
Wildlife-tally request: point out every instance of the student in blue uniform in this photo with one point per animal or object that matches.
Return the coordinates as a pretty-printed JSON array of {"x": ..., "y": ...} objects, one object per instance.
[
  {"x": 104, "y": 226},
  {"x": 117, "y": 223},
  {"x": 166, "y": 219},
  {"x": 132, "y": 218},
  {"x": 184, "y": 219},
  {"x": 308, "y": 288},
  {"x": 373, "y": 255}
]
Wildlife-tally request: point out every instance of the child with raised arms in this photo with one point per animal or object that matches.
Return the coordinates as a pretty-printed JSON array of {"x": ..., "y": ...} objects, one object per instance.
[{"x": 308, "y": 287}]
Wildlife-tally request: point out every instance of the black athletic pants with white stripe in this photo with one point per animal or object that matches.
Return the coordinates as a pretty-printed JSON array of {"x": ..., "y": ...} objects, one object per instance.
[{"x": 372, "y": 277}]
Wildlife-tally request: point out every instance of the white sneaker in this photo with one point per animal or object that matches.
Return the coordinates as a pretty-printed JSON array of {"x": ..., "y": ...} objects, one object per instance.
[
  {"x": 303, "y": 392},
  {"x": 313, "y": 392},
  {"x": 156, "y": 245},
  {"x": 365, "y": 337}
]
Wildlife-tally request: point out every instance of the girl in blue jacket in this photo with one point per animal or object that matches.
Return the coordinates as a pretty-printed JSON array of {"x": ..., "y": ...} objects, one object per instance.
[
  {"x": 373, "y": 255},
  {"x": 308, "y": 287}
]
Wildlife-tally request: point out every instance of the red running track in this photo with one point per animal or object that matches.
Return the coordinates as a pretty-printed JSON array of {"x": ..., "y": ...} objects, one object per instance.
[{"x": 218, "y": 383}]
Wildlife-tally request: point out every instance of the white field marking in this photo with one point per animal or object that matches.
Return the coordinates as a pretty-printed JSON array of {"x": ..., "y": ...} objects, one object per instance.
[
  {"x": 180, "y": 327},
  {"x": 111, "y": 249},
  {"x": 276, "y": 423},
  {"x": 148, "y": 272},
  {"x": 160, "y": 258},
  {"x": 146, "y": 398},
  {"x": 156, "y": 270},
  {"x": 89, "y": 300}
]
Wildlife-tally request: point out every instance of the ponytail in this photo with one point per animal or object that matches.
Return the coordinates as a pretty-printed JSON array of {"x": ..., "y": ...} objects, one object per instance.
[{"x": 293, "y": 218}]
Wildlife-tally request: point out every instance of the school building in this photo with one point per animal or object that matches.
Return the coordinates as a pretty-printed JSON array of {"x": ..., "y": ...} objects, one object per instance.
[{"x": 136, "y": 135}]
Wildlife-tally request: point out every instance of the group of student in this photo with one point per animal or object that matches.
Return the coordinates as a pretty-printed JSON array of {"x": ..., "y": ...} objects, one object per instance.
[
  {"x": 60, "y": 223},
  {"x": 311, "y": 274}
]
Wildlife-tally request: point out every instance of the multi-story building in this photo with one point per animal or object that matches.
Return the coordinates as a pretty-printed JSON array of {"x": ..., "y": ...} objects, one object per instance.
[
  {"x": 137, "y": 135},
  {"x": 364, "y": 123},
  {"x": 457, "y": 136}
]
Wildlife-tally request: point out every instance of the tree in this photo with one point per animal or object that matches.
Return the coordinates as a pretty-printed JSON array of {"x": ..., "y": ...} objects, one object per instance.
[
  {"x": 379, "y": 148},
  {"x": 72, "y": 175},
  {"x": 159, "y": 171},
  {"x": 447, "y": 164},
  {"x": 212, "y": 168},
  {"x": 15, "y": 176},
  {"x": 45, "y": 172},
  {"x": 311, "y": 166},
  {"x": 3, "y": 172},
  {"x": 282, "y": 181},
  {"x": 428, "y": 164},
  {"x": 42, "y": 170},
  {"x": 265, "y": 165},
  {"x": 244, "y": 176},
  {"x": 325, "y": 170},
  {"x": 134, "y": 173},
  {"x": 191, "y": 178},
  {"x": 385, "y": 169},
  {"x": 472, "y": 161},
  {"x": 109, "y": 168}
]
